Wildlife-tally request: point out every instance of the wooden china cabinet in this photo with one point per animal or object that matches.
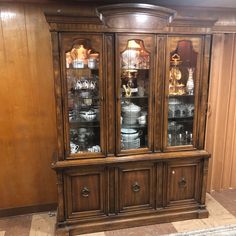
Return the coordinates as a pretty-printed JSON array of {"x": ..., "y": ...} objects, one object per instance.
[{"x": 131, "y": 83}]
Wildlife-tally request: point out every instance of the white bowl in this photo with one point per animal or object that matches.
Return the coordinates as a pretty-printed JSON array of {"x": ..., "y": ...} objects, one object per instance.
[{"x": 88, "y": 116}]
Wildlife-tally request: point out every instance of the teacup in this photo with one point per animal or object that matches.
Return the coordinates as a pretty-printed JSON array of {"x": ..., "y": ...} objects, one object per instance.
[
  {"x": 74, "y": 148},
  {"x": 86, "y": 84},
  {"x": 92, "y": 84},
  {"x": 142, "y": 120},
  {"x": 78, "y": 85}
]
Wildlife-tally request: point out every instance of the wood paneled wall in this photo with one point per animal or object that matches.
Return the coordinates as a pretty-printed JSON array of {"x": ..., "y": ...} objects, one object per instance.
[
  {"x": 221, "y": 124},
  {"x": 27, "y": 114}
]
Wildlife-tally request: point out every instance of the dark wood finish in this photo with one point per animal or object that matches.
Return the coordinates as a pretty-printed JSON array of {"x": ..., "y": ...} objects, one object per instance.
[
  {"x": 136, "y": 187},
  {"x": 131, "y": 158},
  {"x": 183, "y": 182},
  {"x": 58, "y": 95},
  {"x": 127, "y": 16},
  {"x": 110, "y": 92},
  {"x": 123, "y": 188},
  {"x": 159, "y": 96},
  {"x": 204, "y": 92},
  {"x": 86, "y": 190}
]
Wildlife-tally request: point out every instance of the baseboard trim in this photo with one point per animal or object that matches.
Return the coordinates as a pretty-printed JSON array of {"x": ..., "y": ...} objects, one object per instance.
[{"x": 27, "y": 209}]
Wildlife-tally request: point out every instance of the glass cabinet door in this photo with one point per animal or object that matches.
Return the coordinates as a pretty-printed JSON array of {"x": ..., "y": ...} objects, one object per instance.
[
  {"x": 82, "y": 61},
  {"x": 134, "y": 93},
  {"x": 182, "y": 77}
]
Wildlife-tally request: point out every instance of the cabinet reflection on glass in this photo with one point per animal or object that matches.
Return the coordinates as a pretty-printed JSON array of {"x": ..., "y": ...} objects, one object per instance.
[
  {"x": 134, "y": 91},
  {"x": 183, "y": 62},
  {"x": 82, "y": 67}
]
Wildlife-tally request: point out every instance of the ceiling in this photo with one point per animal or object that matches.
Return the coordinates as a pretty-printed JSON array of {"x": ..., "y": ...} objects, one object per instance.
[
  {"x": 200, "y": 3},
  {"x": 196, "y": 3}
]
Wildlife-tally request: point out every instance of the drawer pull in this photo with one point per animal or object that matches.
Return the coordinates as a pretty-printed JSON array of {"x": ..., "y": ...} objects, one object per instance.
[
  {"x": 182, "y": 183},
  {"x": 136, "y": 187},
  {"x": 85, "y": 192}
]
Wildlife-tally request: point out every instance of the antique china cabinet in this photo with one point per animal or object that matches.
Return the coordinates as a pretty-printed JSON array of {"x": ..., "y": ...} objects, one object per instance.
[{"x": 131, "y": 84}]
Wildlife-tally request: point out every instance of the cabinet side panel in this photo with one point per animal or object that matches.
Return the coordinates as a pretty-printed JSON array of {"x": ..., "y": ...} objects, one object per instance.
[
  {"x": 110, "y": 93},
  {"x": 58, "y": 94}
]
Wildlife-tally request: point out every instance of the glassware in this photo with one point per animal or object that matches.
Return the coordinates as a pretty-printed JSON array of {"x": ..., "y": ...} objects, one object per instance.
[
  {"x": 183, "y": 61},
  {"x": 82, "y": 69},
  {"x": 134, "y": 87}
]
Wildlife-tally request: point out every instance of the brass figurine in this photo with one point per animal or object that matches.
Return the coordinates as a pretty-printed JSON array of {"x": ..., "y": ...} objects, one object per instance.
[{"x": 175, "y": 87}]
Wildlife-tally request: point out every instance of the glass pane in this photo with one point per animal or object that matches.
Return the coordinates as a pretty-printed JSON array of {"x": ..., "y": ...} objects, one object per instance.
[
  {"x": 183, "y": 62},
  {"x": 82, "y": 66},
  {"x": 135, "y": 61}
]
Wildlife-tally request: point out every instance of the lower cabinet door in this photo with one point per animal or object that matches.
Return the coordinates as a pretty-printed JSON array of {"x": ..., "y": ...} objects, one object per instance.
[
  {"x": 184, "y": 180},
  {"x": 136, "y": 190},
  {"x": 85, "y": 192}
]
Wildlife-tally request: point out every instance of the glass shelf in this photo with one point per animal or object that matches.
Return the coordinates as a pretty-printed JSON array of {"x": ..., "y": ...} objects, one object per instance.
[
  {"x": 77, "y": 124},
  {"x": 181, "y": 119},
  {"x": 84, "y": 69},
  {"x": 181, "y": 96},
  {"x": 135, "y": 126},
  {"x": 134, "y": 97}
]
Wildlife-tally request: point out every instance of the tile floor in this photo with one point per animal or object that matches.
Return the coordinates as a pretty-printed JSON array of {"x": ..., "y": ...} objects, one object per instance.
[{"x": 221, "y": 205}]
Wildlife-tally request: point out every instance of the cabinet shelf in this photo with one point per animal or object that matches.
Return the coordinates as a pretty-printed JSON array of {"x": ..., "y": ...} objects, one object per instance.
[
  {"x": 181, "y": 119},
  {"x": 84, "y": 124},
  {"x": 134, "y": 69},
  {"x": 134, "y": 97},
  {"x": 181, "y": 96},
  {"x": 134, "y": 126},
  {"x": 84, "y": 69}
]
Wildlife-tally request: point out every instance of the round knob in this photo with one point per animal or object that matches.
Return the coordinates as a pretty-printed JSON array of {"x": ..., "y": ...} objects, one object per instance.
[
  {"x": 85, "y": 192},
  {"x": 182, "y": 183},
  {"x": 136, "y": 187}
]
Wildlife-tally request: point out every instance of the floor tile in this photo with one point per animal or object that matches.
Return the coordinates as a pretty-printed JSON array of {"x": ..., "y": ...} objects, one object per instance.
[
  {"x": 15, "y": 226},
  {"x": 149, "y": 230},
  {"x": 218, "y": 216},
  {"x": 42, "y": 225},
  {"x": 94, "y": 234},
  {"x": 227, "y": 199}
]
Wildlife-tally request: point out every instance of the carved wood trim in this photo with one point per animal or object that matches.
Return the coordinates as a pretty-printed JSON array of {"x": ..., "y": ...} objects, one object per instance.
[{"x": 131, "y": 15}]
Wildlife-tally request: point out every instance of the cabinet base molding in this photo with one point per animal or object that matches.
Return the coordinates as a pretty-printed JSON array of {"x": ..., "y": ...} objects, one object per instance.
[{"x": 116, "y": 222}]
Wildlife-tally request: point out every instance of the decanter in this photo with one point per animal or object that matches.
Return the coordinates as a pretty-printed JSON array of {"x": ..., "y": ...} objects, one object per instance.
[{"x": 190, "y": 82}]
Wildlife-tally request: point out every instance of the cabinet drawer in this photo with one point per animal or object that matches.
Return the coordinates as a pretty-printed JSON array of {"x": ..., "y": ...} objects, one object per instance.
[
  {"x": 183, "y": 182},
  {"x": 85, "y": 193},
  {"x": 136, "y": 188}
]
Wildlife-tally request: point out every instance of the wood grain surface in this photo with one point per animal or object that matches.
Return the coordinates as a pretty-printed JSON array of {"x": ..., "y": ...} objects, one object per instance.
[
  {"x": 27, "y": 120},
  {"x": 221, "y": 124}
]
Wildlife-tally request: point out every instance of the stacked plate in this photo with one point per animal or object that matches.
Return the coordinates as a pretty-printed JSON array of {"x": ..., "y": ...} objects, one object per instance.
[
  {"x": 130, "y": 144},
  {"x": 130, "y": 138}
]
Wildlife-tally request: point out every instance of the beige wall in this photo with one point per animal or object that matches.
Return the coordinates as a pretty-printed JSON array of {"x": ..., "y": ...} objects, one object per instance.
[
  {"x": 221, "y": 124},
  {"x": 27, "y": 120}
]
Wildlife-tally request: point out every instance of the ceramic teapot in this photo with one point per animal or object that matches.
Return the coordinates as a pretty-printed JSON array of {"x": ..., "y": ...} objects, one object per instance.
[{"x": 80, "y": 53}]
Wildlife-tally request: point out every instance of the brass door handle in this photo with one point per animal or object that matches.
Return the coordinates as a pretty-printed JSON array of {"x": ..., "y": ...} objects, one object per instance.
[
  {"x": 136, "y": 187},
  {"x": 182, "y": 183},
  {"x": 85, "y": 192}
]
